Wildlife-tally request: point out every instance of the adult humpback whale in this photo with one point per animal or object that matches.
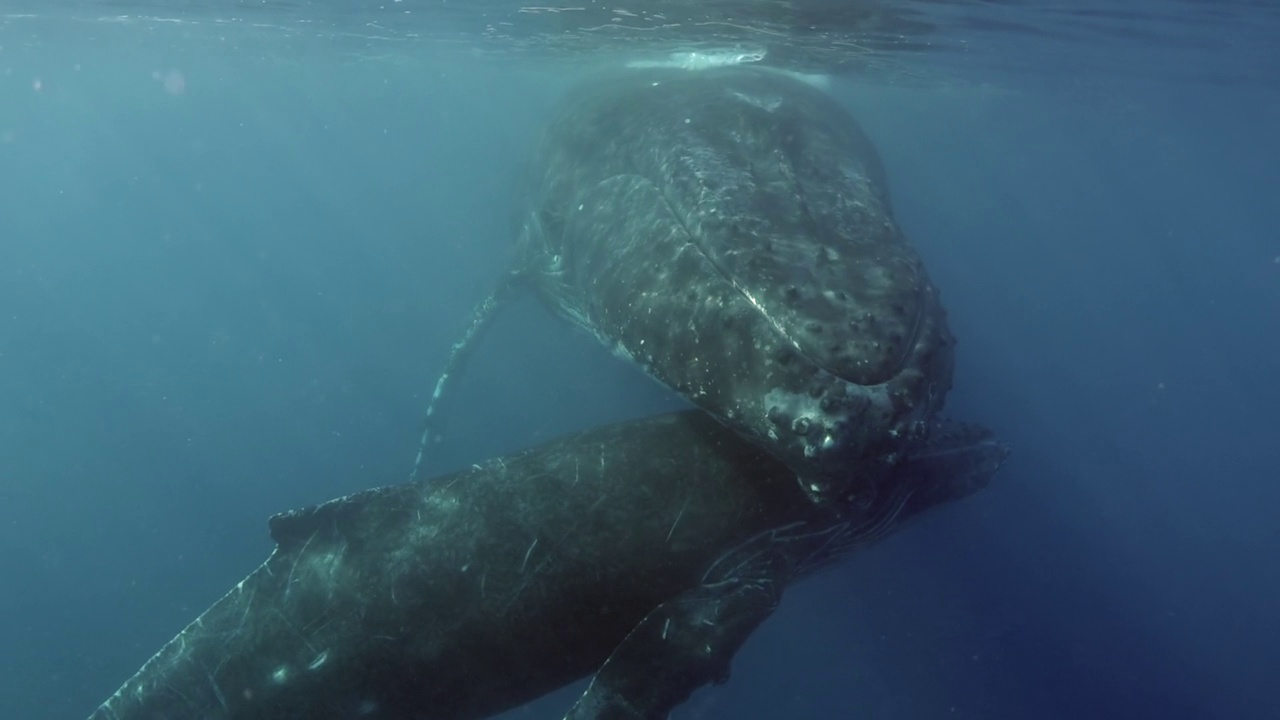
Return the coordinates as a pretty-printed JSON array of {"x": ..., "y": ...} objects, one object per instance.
[
  {"x": 729, "y": 231},
  {"x": 645, "y": 551}
]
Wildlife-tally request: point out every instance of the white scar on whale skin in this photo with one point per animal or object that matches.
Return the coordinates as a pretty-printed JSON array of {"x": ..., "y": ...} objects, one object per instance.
[
  {"x": 679, "y": 515},
  {"x": 527, "y": 553}
]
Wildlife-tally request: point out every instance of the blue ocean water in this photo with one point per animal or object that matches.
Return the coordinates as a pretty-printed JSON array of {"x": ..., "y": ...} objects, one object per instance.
[{"x": 237, "y": 240}]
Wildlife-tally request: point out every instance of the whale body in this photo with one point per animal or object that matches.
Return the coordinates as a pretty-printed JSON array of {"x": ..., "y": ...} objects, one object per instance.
[
  {"x": 644, "y": 552},
  {"x": 729, "y": 231}
]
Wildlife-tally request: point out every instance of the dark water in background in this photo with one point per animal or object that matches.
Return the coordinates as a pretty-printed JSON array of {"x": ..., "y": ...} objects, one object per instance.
[{"x": 233, "y": 255}]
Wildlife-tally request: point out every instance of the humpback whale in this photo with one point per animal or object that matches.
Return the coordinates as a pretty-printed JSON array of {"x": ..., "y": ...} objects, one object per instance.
[
  {"x": 729, "y": 231},
  {"x": 645, "y": 552}
]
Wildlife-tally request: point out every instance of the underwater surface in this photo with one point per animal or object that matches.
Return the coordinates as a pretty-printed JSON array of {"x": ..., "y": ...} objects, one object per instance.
[{"x": 237, "y": 240}]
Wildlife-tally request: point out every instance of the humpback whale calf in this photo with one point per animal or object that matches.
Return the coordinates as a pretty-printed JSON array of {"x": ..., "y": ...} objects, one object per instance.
[
  {"x": 644, "y": 552},
  {"x": 729, "y": 231}
]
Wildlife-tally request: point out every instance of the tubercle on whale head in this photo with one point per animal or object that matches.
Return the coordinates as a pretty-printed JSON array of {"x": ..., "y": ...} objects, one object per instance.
[
  {"x": 843, "y": 438},
  {"x": 841, "y": 414}
]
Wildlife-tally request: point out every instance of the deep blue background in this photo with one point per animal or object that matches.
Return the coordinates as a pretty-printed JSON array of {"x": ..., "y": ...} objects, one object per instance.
[{"x": 231, "y": 301}]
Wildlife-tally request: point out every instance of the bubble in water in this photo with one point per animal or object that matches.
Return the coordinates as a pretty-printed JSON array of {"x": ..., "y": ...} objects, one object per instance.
[{"x": 174, "y": 82}]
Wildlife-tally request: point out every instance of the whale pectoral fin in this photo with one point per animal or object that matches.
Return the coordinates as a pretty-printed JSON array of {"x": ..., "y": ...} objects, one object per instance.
[
  {"x": 683, "y": 644},
  {"x": 480, "y": 320},
  {"x": 956, "y": 460}
]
